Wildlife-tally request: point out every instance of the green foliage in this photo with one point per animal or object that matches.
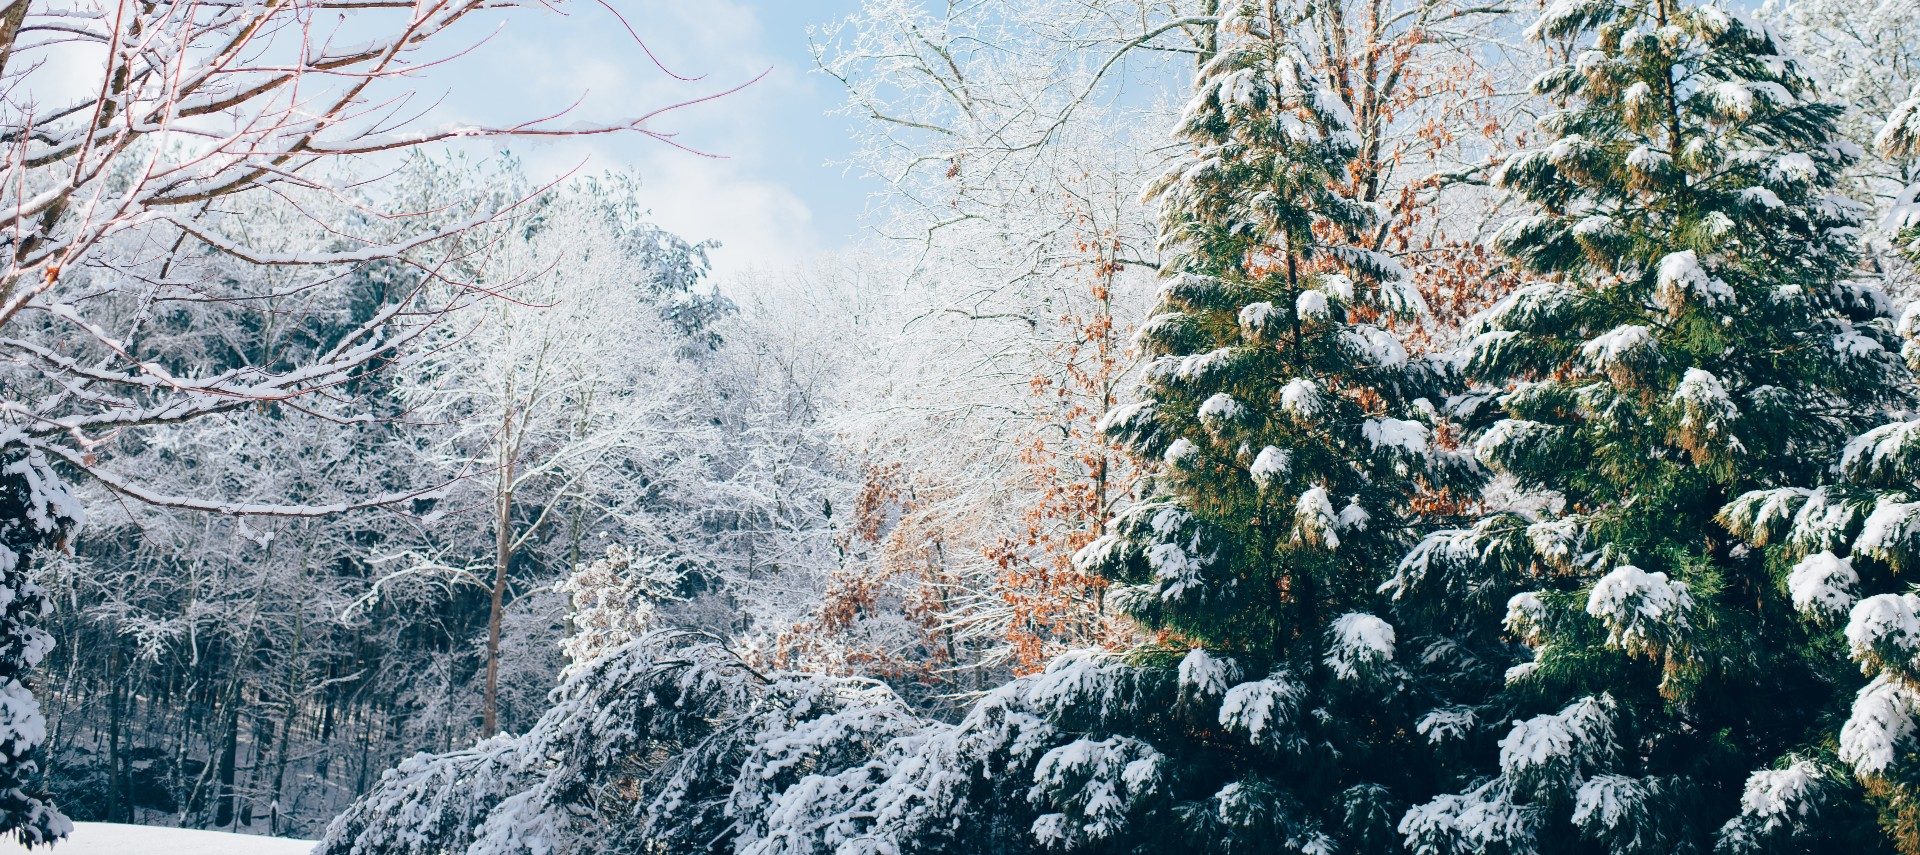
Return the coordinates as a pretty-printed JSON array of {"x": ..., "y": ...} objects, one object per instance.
[
  {"x": 1289, "y": 438},
  {"x": 1695, "y": 335}
]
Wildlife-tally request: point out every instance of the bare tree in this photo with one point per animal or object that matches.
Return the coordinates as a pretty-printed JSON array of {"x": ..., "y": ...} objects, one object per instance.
[
  {"x": 201, "y": 102},
  {"x": 566, "y": 397},
  {"x": 118, "y": 212}
]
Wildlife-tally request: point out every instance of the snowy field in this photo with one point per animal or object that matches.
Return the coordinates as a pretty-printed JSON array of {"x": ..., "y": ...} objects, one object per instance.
[{"x": 105, "y": 838}]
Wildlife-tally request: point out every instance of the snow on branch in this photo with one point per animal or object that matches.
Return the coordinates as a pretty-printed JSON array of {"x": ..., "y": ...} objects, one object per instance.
[{"x": 215, "y": 165}]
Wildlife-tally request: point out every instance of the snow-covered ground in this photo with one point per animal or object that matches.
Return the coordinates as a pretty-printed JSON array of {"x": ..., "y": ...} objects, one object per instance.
[{"x": 105, "y": 838}]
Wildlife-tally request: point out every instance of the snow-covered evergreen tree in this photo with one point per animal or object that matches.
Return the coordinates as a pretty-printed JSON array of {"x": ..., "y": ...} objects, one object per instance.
[
  {"x": 1900, "y": 141},
  {"x": 1693, "y": 335},
  {"x": 1288, "y": 441},
  {"x": 36, "y": 514},
  {"x": 1838, "y": 553},
  {"x": 1841, "y": 552}
]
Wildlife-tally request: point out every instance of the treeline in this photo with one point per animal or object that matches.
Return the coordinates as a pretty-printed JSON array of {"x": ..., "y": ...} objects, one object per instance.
[{"x": 258, "y": 672}]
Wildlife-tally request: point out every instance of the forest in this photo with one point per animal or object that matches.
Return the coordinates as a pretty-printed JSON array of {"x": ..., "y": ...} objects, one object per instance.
[{"x": 1244, "y": 426}]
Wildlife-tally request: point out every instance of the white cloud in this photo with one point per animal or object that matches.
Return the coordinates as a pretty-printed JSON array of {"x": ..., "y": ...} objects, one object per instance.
[
  {"x": 758, "y": 223},
  {"x": 736, "y": 198},
  {"x": 539, "y": 63}
]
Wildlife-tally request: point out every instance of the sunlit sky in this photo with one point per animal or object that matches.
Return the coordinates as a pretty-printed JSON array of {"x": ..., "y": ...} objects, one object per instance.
[
  {"x": 773, "y": 196},
  {"x": 777, "y": 190}
]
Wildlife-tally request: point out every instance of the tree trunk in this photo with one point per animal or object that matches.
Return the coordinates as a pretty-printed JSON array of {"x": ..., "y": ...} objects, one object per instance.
[
  {"x": 223, "y": 814},
  {"x": 508, "y": 452},
  {"x": 120, "y": 807},
  {"x": 502, "y": 556},
  {"x": 292, "y": 708}
]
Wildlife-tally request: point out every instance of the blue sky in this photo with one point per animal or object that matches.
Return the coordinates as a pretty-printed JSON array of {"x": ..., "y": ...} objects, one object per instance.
[{"x": 773, "y": 197}]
